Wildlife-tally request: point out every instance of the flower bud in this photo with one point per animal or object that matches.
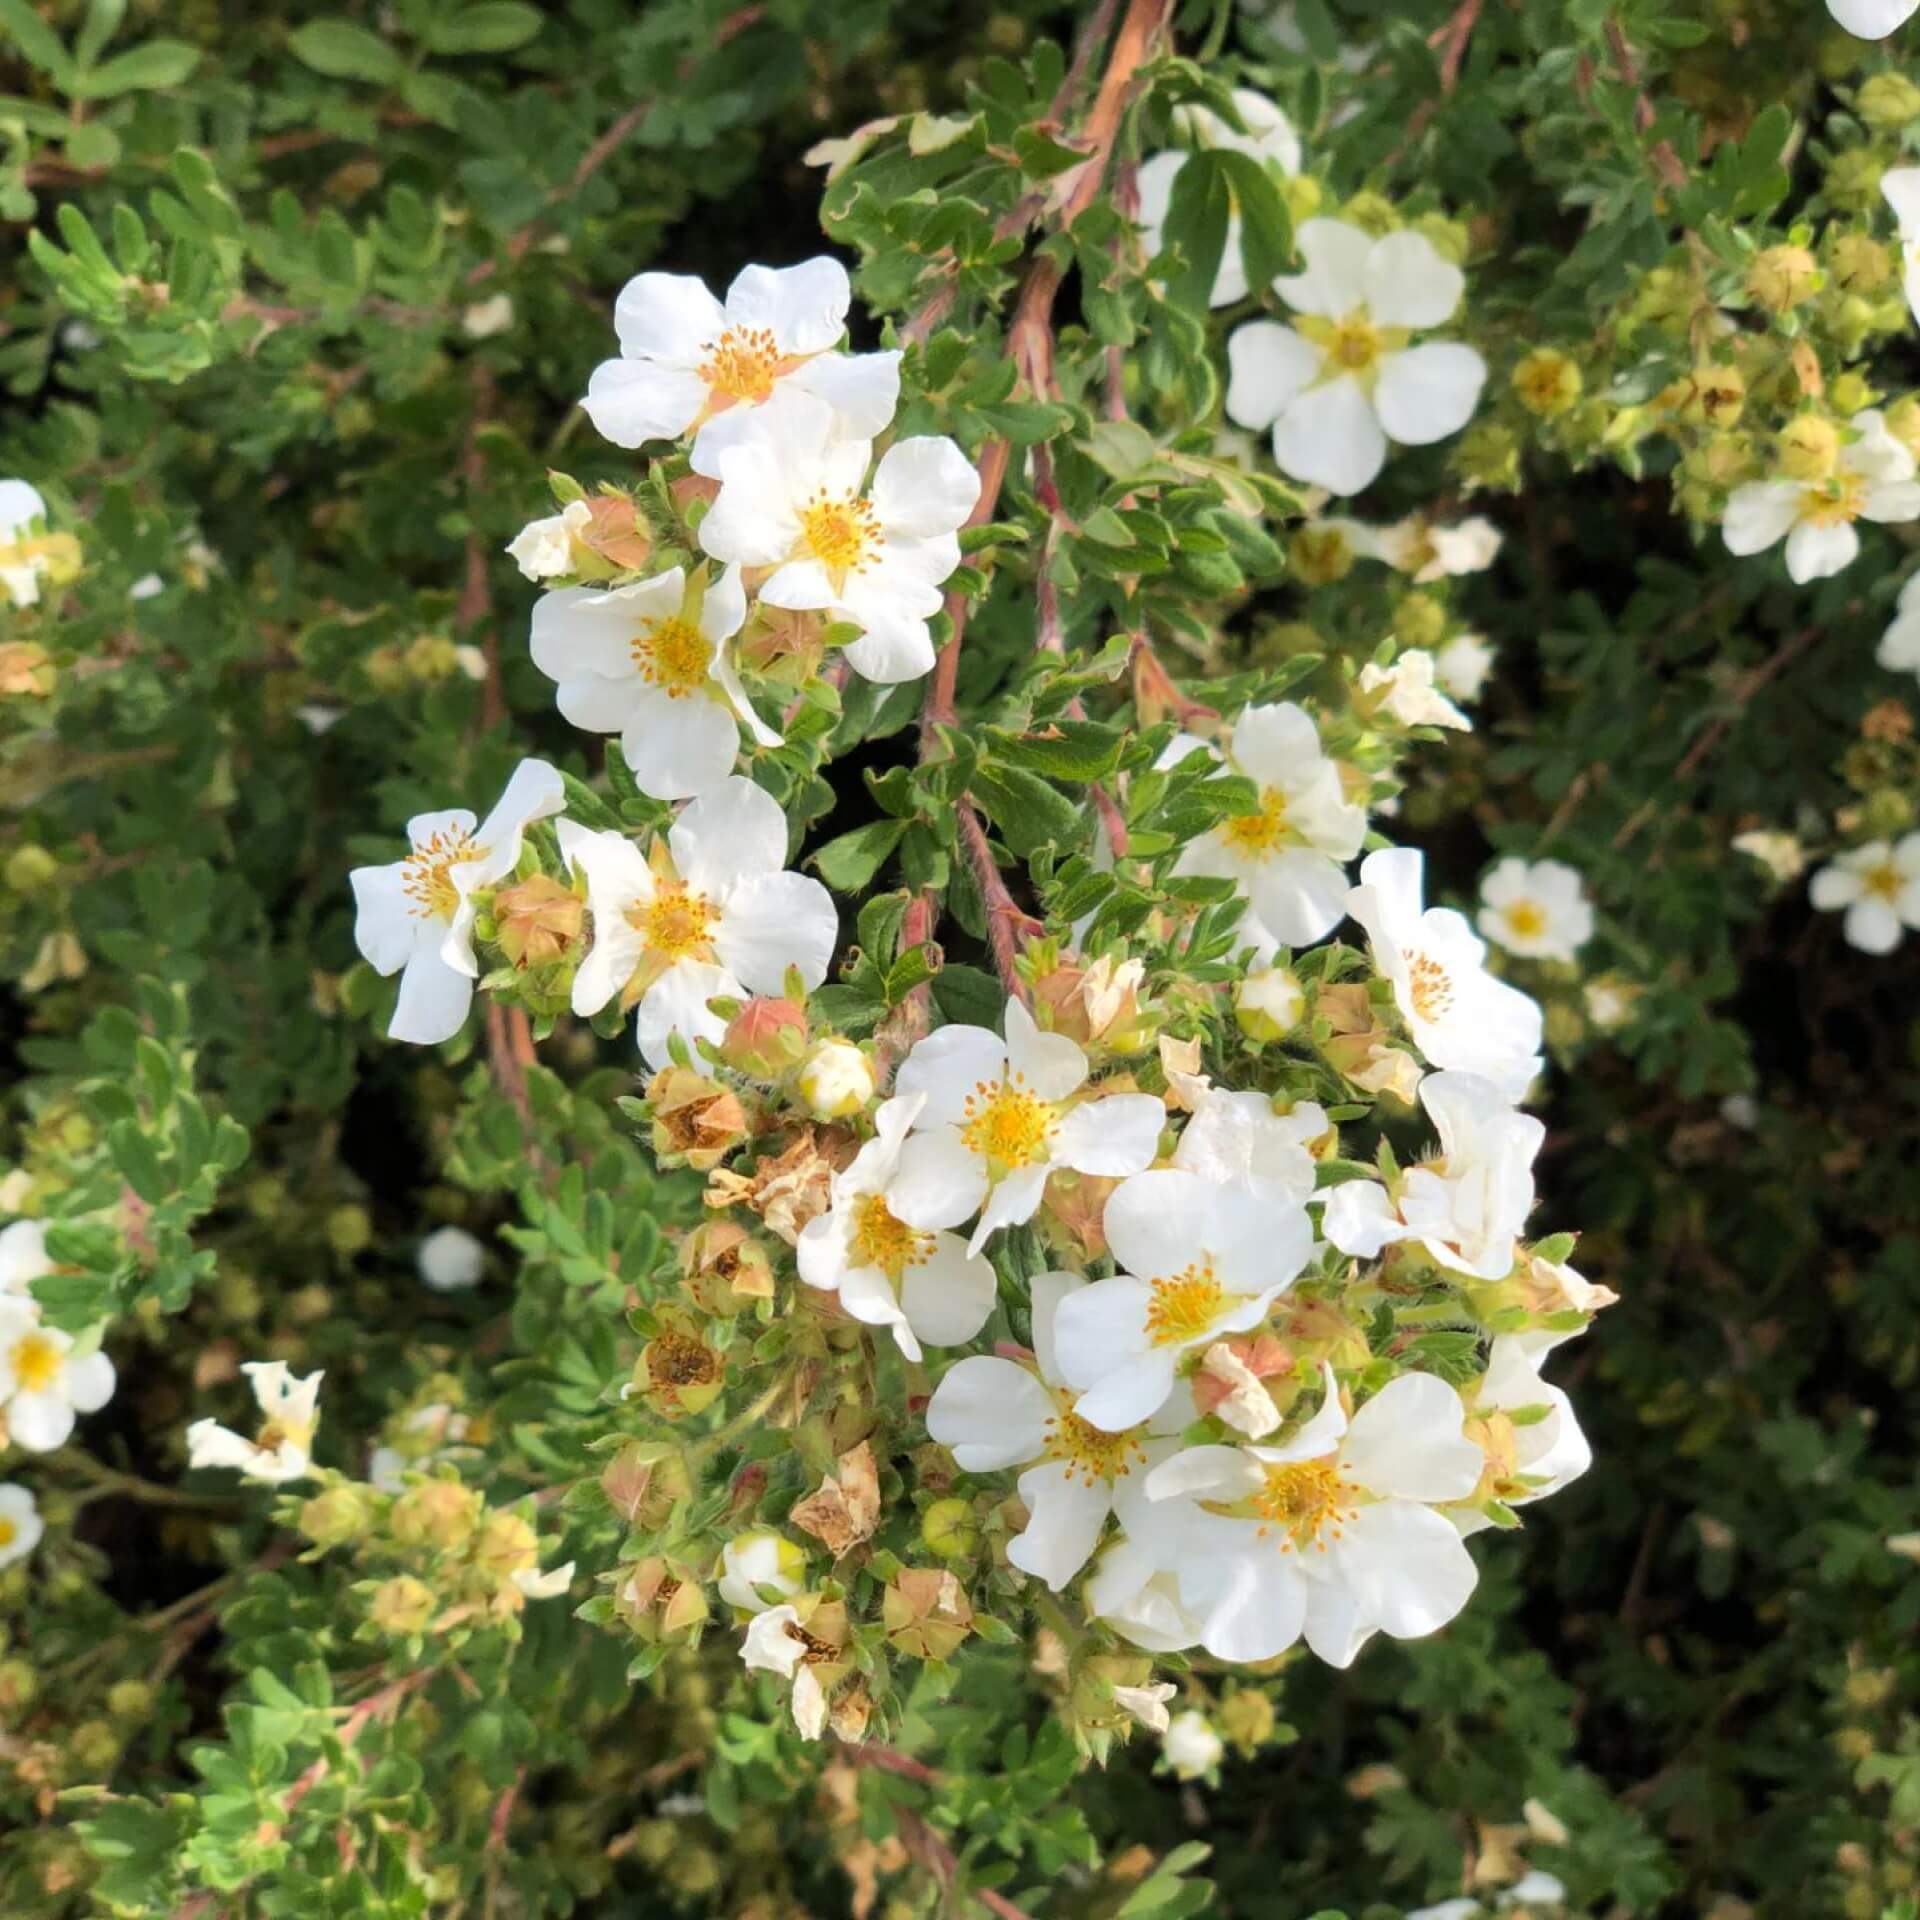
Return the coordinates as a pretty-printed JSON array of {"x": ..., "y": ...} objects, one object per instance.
[
  {"x": 438, "y": 1513},
  {"x": 1853, "y": 180},
  {"x": 349, "y": 1231},
  {"x": 837, "y": 1080},
  {"x": 644, "y": 1481},
  {"x": 948, "y": 1528},
  {"x": 507, "y": 1545},
  {"x": 1489, "y": 456},
  {"x": 1372, "y": 213},
  {"x": 1269, "y": 1003},
  {"x": 1716, "y": 396},
  {"x": 538, "y": 921},
  {"x": 926, "y": 1613},
  {"x": 402, "y": 1605},
  {"x": 1320, "y": 555},
  {"x": 94, "y": 1748},
  {"x": 1097, "y": 1005},
  {"x": 1860, "y": 263},
  {"x": 30, "y": 867},
  {"x": 27, "y": 671},
  {"x": 333, "y": 1518},
  {"x": 1809, "y": 448},
  {"x": 19, "y": 1688},
  {"x": 1780, "y": 278},
  {"x": 696, "y": 1121},
  {"x": 1849, "y": 393},
  {"x": 1247, "y": 1719},
  {"x": 1303, "y": 195},
  {"x": 1419, "y": 620},
  {"x": 1447, "y": 237},
  {"x": 1887, "y": 102},
  {"x": 765, "y": 1037},
  {"x": 130, "y": 1700},
  {"x": 1903, "y": 422},
  {"x": 1547, "y": 382}
]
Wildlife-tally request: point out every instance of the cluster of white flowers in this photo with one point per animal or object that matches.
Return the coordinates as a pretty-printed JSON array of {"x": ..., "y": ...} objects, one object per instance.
[{"x": 47, "y": 1378}]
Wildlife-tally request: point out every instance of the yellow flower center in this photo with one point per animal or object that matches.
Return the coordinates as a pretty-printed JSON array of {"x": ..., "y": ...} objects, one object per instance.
[
  {"x": 1429, "y": 987},
  {"x": 9, "y": 1533},
  {"x": 1837, "y": 503},
  {"x": 1185, "y": 1306},
  {"x": 36, "y": 1362},
  {"x": 672, "y": 654},
  {"x": 742, "y": 365},
  {"x": 1882, "y": 882},
  {"x": 1305, "y": 1500},
  {"x": 1527, "y": 919},
  {"x": 1262, "y": 833},
  {"x": 841, "y": 531},
  {"x": 1007, "y": 1125},
  {"x": 1353, "y": 345},
  {"x": 679, "y": 924},
  {"x": 428, "y": 877},
  {"x": 1089, "y": 1453},
  {"x": 879, "y": 1240}
]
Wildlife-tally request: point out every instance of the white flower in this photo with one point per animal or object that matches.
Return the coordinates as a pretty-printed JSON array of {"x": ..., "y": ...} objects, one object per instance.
[
  {"x": 688, "y": 363},
  {"x": 994, "y": 1413},
  {"x": 995, "y": 1123},
  {"x": 1417, "y": 546},
  {"x": 1467, "y": 1206},
  {"x": 543, "y": 548},
  {"x": 1286, "y": 858},
  {"x": 415, "y": 917},
  {"x": 794, "y": 496},
  {"x": 1269, "y": 138},
  {"x": 1198, "y": 1260},
  {"x": 42, "y": 1383},
  {"x": 1878, "y": 885},
  {"x": 1269, "y": 1003},
  {"x": 20, "y": 1523},
  {"x": 1192, "y": 1747},
  {"x": 1900, "y": 186},
  {"x": 650, "y": 662},
  {"x": 1780, "y": 853},
  {"x": 290, "y": 1409},
  {"x": 1237, "y": 1139},
  {"x": 450, "y": 1260},
  {"x": 1409, "y": 692},
  {"x": 535, "y": 1585},
  {"x": 923, "y": 1285},
  {"x": 836, "y": 1080},
  {"x": 1461, "y": 667},
  {"x": 485, "y": 318},
  {"x": 713, "y": 913},
  {"x": 1539, "y": 910},
  {"x": 1344, "y": 379},
  {"x": 1458, "y": 1014},
  {"x": 1873, "y": 20},
  {"x": 755, "y": 1559},
  {"x": 23, "y": 1257},
  {"x": 148, "y": 587},
  {"x": 21, "y": 565},
  {"x": 776, "y": 1643},
  {"x": 1899, "y": 648},
  {"x": 1874, "y": 480},
  {"x": 1549, "y": 1451},
  {"x": 1146, "y": 1706},
  {"x": 1332, "y": 1534}
]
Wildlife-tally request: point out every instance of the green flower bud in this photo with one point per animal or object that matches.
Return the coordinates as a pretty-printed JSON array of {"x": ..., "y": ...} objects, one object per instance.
[
  {"x": 1547, "y": 382},
  {"x": 1809, "y": 448},
  {"x": 1853, "y": 181},
  {"x": 1887, "y": 102},
  {"x": 1320, "y": 555},
  {"x": 1489, "y": 456},
  {"x": 1247, "y": 1719},
  {"x": 401, "y": 1606},
  {"x": 349, "y": 1231},
  {"x": 1780, "y": 278},
  {"x": 30, "y": 867},
  {"x": 438, "y": 1513},
  {"x": 1449, "y": 238},
  {"x": 1419, "y": 620},
  {"x": 1372, "y": 213},
  {"x": 948, "y": 1529},
  {"x": 94, "y": 1747},
  {"x": 1849, "y": 393},
  {"x": 1303, "y": 194},
  {"x": 1860, "y": 263}
]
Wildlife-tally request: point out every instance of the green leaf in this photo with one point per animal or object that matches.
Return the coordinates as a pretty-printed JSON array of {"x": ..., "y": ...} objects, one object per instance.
[
  {"x": 343, "y": 51},
  {"x": 35, "y": 41},
  {"x": 1063, "y": 750},
  {"x": 1029, "y": 813},
  {"x": 1266, "y": 228},
  {"x": 494, "y": 26},
  {"x": 849, "y": 863},
  {"x": 102, "y": 23},
  {"x": 150, "y": 66},
  {"x": 1197, "y": 217}
]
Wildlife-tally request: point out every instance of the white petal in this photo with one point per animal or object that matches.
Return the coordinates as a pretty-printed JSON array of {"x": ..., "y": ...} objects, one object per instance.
[
  {"x": 1116, "y": 1136},
  {"x": 1155, "y": 1222},
  {"x": 989, "y": 1413},
  {"x": 863, "y": 389},
  {"x": 902, "y": 652},
  {"x": 949, "y": 1295},
  {"x": 1872, "y": 926},
  {"x": 678, "y": 749},
  {"x": 1260, "y": 1612},
  {"x": 1052, "y": 1065},
  {"x": 1330, "y": 436},
  {"x": 1873, "y": 20},
  {"x": 40, "y": 1422},
  {"x": 20, "y": 501},
  {"x": 1407, "y": 1442},
  {"x": 803, "y": 307},
  {"x": 867, "y": 1294},
  {"x": 924, "y": 486},
  {"x": 433, "y": 1002},
  {"x": 1817, "y": 553},
  {"x": 1268, "y": 366},
  {"x": 1758, "y": 514},
  {"x": 633, "y": 401},
  {"x": 677, "y": 1003},
  {"x": 1130, "y": 1394},
  {"x": 1208, "y": 1473},
  {"x": 595, "y": 704},
  {"x": 384, "y": 924},
  {"x": 939, "y": 1183},
  {"x": 1405, "y": 1566},
  {"x": 1299, "y": 896},
  {"x": 669, "y": 317},
  {"x": 1011, "y": 1202},
  {"x": 90, "y": 1382},
  {"x": 1899, "y": 185},
  {"x": 534, "y": 792},
  {"x": 1359, "y": 1218},
  {"x": 735, "y": 832},
  {"x": 1045, "y": 1292},
  {"x": 1429, "y": 391},
  {"x": 1336, "y": 1631},
  {"x": 583, "y": 630},
  {"x": 777, "y": 921},
  {"x": 1067, "y": 1515},
  {"x": 1100, "y": 1328},
  {"x": 1335, "y": 282},
  {"x": 1409, "y": 284},
  {"x": 946, "y": 1067}
]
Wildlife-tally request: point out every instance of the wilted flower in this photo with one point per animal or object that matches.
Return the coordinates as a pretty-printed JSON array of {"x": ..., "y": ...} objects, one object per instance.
[{"x": 283, "y": 1448}]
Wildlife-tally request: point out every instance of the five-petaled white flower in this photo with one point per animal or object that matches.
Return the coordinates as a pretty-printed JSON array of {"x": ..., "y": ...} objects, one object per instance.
[
  {"x": 994, "y": 1413},
  {"x": 1537, "y": 909},
  {"x": 1286, "y": 858},
  {"x": 1198, "y": 1261},
  {"x": 711, "y": 913},
  {"x": 922, "y": 1284},
  {"x": 1872, "y": 19},
  {"x": 1410, "y": 691},
  {"x": 23, "y": 1257},
  {"x": 794, "y": 496},
  {"x": 1332, "y": 1534},
  {"x": 415, "y": 917},
  {"x": 1269, "y": 138},
  {"x": 290, "y": 1410},
  {"x": 1345, "y": 379},
  {"x": 1468, "y": 1205},
  {"x": 43, "y": 1383},
  {"x": 1899, "y": 648},
  {"x": 1878, "y": 887},
  {"x": 1237, "y": 1139},
  {"x": 1458, "y": 1014},
  {"x": 687, "y": 363},
  {"x": 1901, "y": 185},
  {"x": 995, "y": 1123},
  {"x": 20, "y": 1523},
  {"x": 1873, "y": 480},
  {"x": 651, "y": 662}
]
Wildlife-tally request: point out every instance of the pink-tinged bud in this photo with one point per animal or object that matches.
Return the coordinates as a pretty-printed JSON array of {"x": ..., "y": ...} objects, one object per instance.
[
  {"x": 691, "y": 487},
  {"x": 644, "y": 1481},
  {"x": 765, "y": 1038},
  {"x": 538, "y": 921},
  {"x": 615, "y": 532}
]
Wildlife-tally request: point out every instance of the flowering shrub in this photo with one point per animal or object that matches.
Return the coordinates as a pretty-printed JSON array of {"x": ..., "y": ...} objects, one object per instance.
[{"x": 863, "y": 864}]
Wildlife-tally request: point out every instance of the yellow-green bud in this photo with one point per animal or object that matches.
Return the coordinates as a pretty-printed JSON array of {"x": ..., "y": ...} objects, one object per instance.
[
  {"x": 438, "y": 1513},
  {"x": 1849, "y": 393},
  {"x": 507, "y": 1545},
  {"x": 836, "y": 1082},
  {"x": 949, "y": 1530},
  {"x": 1853, "y": 181},
  {"x": 1547, "y": 382},
  {"x": 1372, "y": 213},
  {"x": 1269, "y": 1003},
  {"x": 402, "y": 1605},
  {"x": 130, "y": 1699},
  {"x": 1888, "y": 811},
  {"x": 1303, "y": 194},
  {"x": 1869, "y": 1687},
  {"x": 94, "y": 1748},
  {"x": 1489, "y": 456},
  {"x": 19, "y": 1687},
  {"x": 1247, "y": 1719},
  {"x": 30, "y": 867},
  {"x": 265, "y": 1195},
  {"x": 1716, "y": 396},
  {"x": 1809, "y": 448},
  {"x": 1320, "y": 555},
  {"x": 1903, "y": 422},
  {"x": 349, "y": 1231},
  {"x": 1448, "y": 237},
  {"x": 1887, "y": 102},
  {"x": 1860, "y": 263},
  {"x": 1780, "y": 278},
  {"x": 1419, "y": 620}
]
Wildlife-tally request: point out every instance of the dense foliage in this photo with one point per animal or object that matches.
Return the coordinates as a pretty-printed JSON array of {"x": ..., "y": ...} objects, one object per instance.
[{"x": 1304, "y": 433}]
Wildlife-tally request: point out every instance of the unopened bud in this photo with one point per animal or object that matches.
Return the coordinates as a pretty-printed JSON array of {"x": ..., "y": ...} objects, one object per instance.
[
  {"x": 948, "y": 1528},
  {"x": 1887, "y": 102},
  {"x": 1320, "y": 555},
  {"x": 438, "y": 1513},
  {"x": 1269, "y": 1003},
  {"x": 538, "y": 921},
  {"x": 349, "y": 1230},
  {"x": 1780, "y": 278},
  {"x": 333, "y": 1518},
  {"x": 1547, "y": 382},
  {"x": 765, "y": 1038},
  {"x": 1809, "y": 448},
  {"x": 1860, "y": 263},
  {"x": 837, "y": 1080},
  {"x": 30, "y": 867},
  {"x": 402, "y": 1605}
]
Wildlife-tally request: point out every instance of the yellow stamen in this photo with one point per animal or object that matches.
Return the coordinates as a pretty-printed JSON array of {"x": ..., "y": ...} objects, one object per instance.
[
  {"x": 1429, "y": 987},
  {"x": 742, "y": 365},
  {"x": 9, "y": 1533},
  {"x": 1527, "y": 919},
  {"x": 1089, "y": 1453},
  {"x": 1185, "y": 1306},
  {"x": 1306, "y": 1500},
  {"x": 1883, "y": 882},
  {"x": 1836, "y": 504},
  {"x": 841, "y": 531},
  {"x": 428, "y": 877},
  {"x": 679, "y": 924},
  {"x": 879, "y": 1240},
  {"x": 1353, "y": 345},
  {"x": 674, "y": 655},
  {"x": 1007, "y": 1125},
  {"x": 36, "y": 1362},
  {"x": 1258, "y": 834}
]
